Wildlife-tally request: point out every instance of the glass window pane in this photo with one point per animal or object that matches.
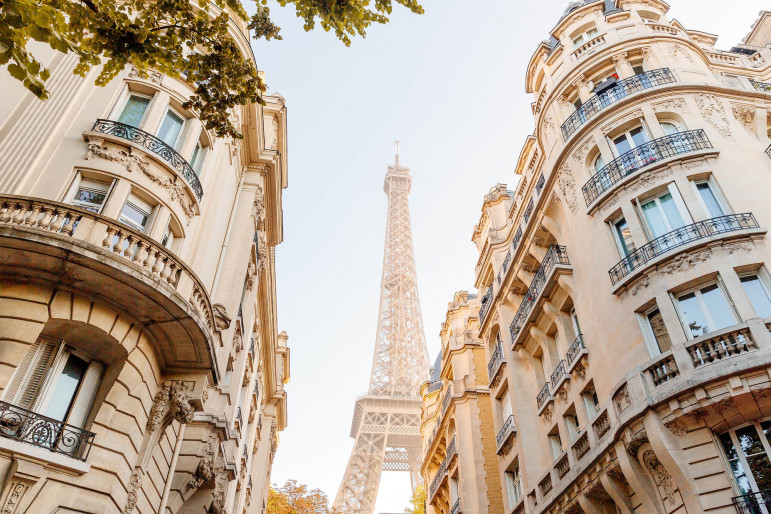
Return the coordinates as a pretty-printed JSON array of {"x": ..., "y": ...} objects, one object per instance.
[
  {"x": 710, "y": 200},
  {"x": 638, "y": 136},
  {"x": 622, "y": 145},
  {"x": 598, "y": 163},
  {"x": 736, "y": 465},
  {"x": 134, "y": 110},
  {"x": 134, "y": 216},
  {"x": 694, "y": 317},
  {"x": 625, "y": 237},
  {"x": 669, "y": 128},
  {"x": 654, "y": 218},
  {"x": 170, "y": 128},
  {"x": 758, "y": 296},
  {"x": 671, "y": 212},
  {"x": 197, "y": 159},
  {"x": 659, "y": 331},
  {"x": 718, "y": 307},
  {"x": 66, "y": 386}
]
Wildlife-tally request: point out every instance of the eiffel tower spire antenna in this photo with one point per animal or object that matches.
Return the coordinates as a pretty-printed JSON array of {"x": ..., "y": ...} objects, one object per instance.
[{"x": 386, "y": 421}]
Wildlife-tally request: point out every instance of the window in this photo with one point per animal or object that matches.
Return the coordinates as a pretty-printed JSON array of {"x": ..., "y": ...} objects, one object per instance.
[
  {"x": 89, "y": 193},
  {"x": 57, "y": 381},
  {"x": 599, "y": 163},
  {"x": 669, "y": 128},
  {"x": 583, "y": 37},
  {"x": 662, "y": 214},
  {"x": 747, "y": 451},
  {"x": 710, "y": 198},
  {"x": 571, "y": 423},
  {"x": 591, "y": 401},
  {"x": 168, "y": 236},
  {"x": 514, "y": 486},
  {"x": 623, "y": 237},
  {"x": 630, "y": 139},
  {"x": 638, "y": 69},
  {"x": 655, "y": 332},
  {"x": 171, "y": 128},
  {"x": 556, "y": 443},
  {"x": 198, "y": 158},
  {"x": 704, "y": 310},
  {"x": 505, "y": 403},
  {"x": 574, "y": 322},
  {"x": 133, "y": 111},
  {"x": 135, "y": 213},
  {"x": 758, "y": 292}
]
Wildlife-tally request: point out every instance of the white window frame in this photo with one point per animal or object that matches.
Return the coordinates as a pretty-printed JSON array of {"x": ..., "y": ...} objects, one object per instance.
[
  {"x": 123, "y": 99},
  {"x": 142, "y": 204},
  {"x": 741, "y": 455},
  {"x": 617, "y": 237},
  {"x": 555, "y": 442},
  {"x": 75, "y": 186},
  {"x": 573, "y": 426},
  {"x": 716, "y": 191},
  {"x": 763, "y": 278},
  {"x": 590, "y": 405},
  {"x": 647, "y": 330},
  {"x": 679, "y": 204},
  {"x": 628, "y": 134},
  {"x": 584, "y": 36},
  {"x": 181, "y": 134},
  {"x": 514, "y": 489},
  {"x": 201, "y": 161},
  {"x": 707, "y": 314}
]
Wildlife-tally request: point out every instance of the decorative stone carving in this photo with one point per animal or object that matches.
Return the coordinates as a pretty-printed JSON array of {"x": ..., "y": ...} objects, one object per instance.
[
  {"x": 17, "y": 490},
  {"x": 259, "y": 207},
  {"x": 697, "y": 415},
  {"x": 711, "y": 108},
  {"x": 763, "y": 391},
  {"x": 132, "y": 493},
  {"x": 562, "y": 394},
  {"x": 274, "y": 141},
  {"x": 547, "y": 414},
  {"x": 685, "y": 261},
  {"x": 251, "y": 276},
  {"x": 152, "y": 75},
  {"x": 176, "y": 191},
  {"x": 262, "y": 251},
  {"x": 677, "y": 427},
  {"x": 661, "y": 476},
  {"x": 580, "y": 371},
  {"x": 221, "y": 319},
  {"x": 745, "y": 114},
  {"x": 725, "y": 404},
  {"x": 639, "y": 285},
  {"x": 636, "y": 441},
  {"x": 671, "y": 104},
  {"x": 548, "y": 122},
  {"x": 273, "y": 439},
  {"x": 130, "y": 158},
  {"x": 158, "y": 410},
  {"x": 636, "y": 114},
  {"x": 174, "y": 398},
  {"x": 567, "y": 185},
  {"x": 237, "y": 342},
  {"x": 579, "y": 156},
  {"x": 217, "y": 505},
  {"x": 674, "y": 50},
  {"x": 737, "y": 246},
  {"x": 621, "y": 399}
]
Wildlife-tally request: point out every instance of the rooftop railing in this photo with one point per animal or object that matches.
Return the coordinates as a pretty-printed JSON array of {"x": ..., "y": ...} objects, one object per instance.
[
  {"x": 32, "y": 428},
  {"x": 623, "y": 88},
  {"x": 644, "y": 155},
  {"x": 555, "y": 255},
  {"x": 680, "y": 237},
  {"x": 154, "y": 144}
]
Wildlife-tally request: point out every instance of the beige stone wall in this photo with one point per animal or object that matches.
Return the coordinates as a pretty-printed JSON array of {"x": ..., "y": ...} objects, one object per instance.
[{"x": 648, "y": 445}]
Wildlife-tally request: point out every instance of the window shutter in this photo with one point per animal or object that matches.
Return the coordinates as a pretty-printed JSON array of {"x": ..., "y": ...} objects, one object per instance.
[
  {"x": 37, "y": 374},
  {"x": 12, "y": 390},
  {"x": 85, "y": 396}
]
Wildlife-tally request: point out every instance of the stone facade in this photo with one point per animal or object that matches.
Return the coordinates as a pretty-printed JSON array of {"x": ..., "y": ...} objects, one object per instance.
[
  {"x": 459, "y": 467},
  {"x": 141, "y": 369},
  {"x": 624, "y": 283}
]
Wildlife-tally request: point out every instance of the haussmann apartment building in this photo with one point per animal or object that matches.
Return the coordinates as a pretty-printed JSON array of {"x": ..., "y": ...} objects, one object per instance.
[
  {"x": 141, "y": 368},
  {"x": 625, "y": 285}
]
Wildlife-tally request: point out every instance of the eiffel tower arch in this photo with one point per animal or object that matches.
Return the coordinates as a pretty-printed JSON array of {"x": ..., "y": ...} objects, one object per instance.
[{"x": 386, "y": 420}]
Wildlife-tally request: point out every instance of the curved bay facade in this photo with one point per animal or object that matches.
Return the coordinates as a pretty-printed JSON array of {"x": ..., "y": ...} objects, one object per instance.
[
  {"x": 625, "y": 295},
  {"x": 140, "y": 363}
]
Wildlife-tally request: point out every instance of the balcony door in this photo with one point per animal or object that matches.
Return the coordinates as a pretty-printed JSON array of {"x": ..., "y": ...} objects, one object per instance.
[
  {"x": 747, "y": 451},
  {"x": 134, "y": 109},
  {"x": 705, "y": 309}
]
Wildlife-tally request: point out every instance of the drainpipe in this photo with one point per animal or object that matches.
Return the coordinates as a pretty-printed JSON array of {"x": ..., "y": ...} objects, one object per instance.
[
  {"x": 227, "y": 236},
  {"x": 172, "y": 467}
]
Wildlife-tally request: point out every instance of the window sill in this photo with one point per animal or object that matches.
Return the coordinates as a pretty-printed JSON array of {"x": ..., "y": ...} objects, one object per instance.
[{"x": 48, "y": 457}]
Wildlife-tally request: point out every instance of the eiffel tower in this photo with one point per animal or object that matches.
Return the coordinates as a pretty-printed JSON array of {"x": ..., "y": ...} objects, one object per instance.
[{"x": 386, "y": 421}]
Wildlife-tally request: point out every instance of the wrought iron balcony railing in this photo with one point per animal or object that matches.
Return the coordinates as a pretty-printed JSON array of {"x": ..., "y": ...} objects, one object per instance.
[
  {"x": 680, "y": 237},
  {"x": 556, "y": 255},
  {"x": 32, "y": 428},
  {"x": 622, "y": 89},
  {"x": 761, "y": 86},
  {"x": 751, "y": 503},
  {"x": 642, "y": 156},
  {"x": 506, "y": 431},
  {"x": 558, "y": 374},
  {"x": 446, "y": 399},
  {"x": 156, "y": 146},
  {"x": 495, "y": 361},
  {"x": 575, "y": 349},
  {"x": 487, "y": 300},
  {"x": 452, "y": 450},
  {"x": 543, "y": 395},
  {"x": 456, "y": 507}
]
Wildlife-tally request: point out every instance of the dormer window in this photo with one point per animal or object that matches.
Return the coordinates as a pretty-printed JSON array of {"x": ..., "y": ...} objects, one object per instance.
[{"x": 582, "y": 37}]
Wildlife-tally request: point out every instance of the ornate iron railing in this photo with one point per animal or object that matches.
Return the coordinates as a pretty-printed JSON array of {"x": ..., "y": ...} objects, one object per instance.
[
  {"x": 446, "y": 399},
  {"x": 575, "y": 349},
  {"x": 543, "y": 395},
  {"x": 437, "y": 479},
  {"x": 642, "y": 156},
  {"x": 238, "y": 415},
  {"x": 495, "y": 361},
  {"x": 517, "y": 239},
  {"x": 506, "y": 430},
  {"x": 487, "y": 300},
  {"x": 558, "y": 373},
  {"x": 555, "y": 255},
  {"x": 761, "y": 86},
  {"x": 750, "y": 503},
  {"x": 504, "y": 266},
  {"x": 456, "y": 507},
  {"x": 622, "y": 89},
  {"x": 155, "y": 145},
  {"x": 528, "y": 210},
  {"x": 32, "y": 428},
  {"x": 680, "y": 237},
  {"x": 539, "y": 185},
  {"x": 452, "y": 450}
]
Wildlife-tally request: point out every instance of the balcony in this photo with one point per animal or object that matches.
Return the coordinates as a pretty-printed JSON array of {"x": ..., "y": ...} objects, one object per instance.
[
  {"x": 439, "y": 477},
  {"x": 456, "y": 508},
  {"x": 155, "y": 145},
  {"x": 751, "y": 503},
  {"x": 761, "y": 86},
  {"x": 487, "y": 301},
  {"x": 663, "y": 369},
  {"x": 543, "y": 398},
  {"x": 507, "y": 431},
  {"x": 581, "y": 447},
  {"x": 98, "y": 257},
  {"x": 601, "y": 425},
  {"x": 680, "y": 237},
  {"x": 575, "y": 352},
  {"x": 641, "y": 157},
  {"x": 496, "y": 362},
  {"x": 720, "y": 345},
  {"x": 34, "y": 429},
  {"x": 622, "y": 89},
  {"x": 555, "y": 256},
  {"x": 559, "y": 376},
  {"x": 452, "y": 451},
  {"x": 589, "y": 47},
  {"x": 563, "y": 466}
]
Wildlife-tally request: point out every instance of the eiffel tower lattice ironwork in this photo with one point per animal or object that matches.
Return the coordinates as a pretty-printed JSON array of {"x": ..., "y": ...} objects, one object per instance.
[{"x": 386, "y": 421}]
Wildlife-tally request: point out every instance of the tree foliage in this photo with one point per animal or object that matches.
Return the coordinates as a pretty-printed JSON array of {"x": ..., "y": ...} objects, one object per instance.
[
  {"x": 294, "y": 498},
  {"x": 418, "y": 502},
  {"x": 179, "y": 38}
]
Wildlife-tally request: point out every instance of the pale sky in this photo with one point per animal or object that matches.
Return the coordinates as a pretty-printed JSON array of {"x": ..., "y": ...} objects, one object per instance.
[{"x": 450, "y": 86}]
